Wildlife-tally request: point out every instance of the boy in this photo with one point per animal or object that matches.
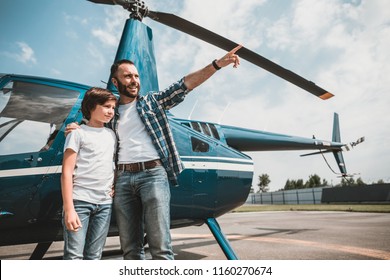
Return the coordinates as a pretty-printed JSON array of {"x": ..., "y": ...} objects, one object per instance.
[{"x": 87, "y": 178}]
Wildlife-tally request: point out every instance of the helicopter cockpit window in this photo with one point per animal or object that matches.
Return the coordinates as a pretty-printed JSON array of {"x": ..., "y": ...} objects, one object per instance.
[
  {"x": 186, "y": 124},
  {"x": 199, "y": 146},
  {"x": 206, "y": 129},
  {"x": 214, "y": 131},
  {"x": 196, "y": 126},
  {"x": 31, "y": 115}
]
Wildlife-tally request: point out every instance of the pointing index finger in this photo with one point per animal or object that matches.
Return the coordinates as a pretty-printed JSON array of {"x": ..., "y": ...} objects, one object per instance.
[{"x": 233, "y": 51}]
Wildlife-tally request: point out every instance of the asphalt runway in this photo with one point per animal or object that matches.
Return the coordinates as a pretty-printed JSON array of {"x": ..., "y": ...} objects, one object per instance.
[{"x": 290, "y": 235}]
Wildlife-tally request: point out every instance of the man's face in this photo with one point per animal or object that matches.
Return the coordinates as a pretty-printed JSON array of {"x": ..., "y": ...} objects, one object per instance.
[{"x": 127, "y": 81}]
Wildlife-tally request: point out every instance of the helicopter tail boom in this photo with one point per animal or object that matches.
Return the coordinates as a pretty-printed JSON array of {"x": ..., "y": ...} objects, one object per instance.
[
  {"x": 251, "y": 140},
  {"x": 248, "y": 140}
]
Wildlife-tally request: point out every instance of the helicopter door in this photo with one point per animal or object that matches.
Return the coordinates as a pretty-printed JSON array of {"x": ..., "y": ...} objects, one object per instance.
[
  {"x": 31, "y": 115},
  {"x": 204, "y": 175}
]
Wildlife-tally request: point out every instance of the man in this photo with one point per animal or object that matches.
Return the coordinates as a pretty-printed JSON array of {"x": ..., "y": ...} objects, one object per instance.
[{"x": 147, "y": 159}]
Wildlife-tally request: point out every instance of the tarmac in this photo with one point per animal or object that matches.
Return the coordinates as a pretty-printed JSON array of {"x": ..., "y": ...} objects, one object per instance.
[{"x": 287, "y": 235}]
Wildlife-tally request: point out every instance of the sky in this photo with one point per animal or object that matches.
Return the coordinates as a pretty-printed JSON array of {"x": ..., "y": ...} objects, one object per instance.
[{"x": 342, "y": 46}]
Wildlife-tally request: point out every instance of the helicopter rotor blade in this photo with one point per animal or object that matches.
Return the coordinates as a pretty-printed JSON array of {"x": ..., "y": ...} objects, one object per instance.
[
  {"x": 138, "y": 7},
  {"x": 226, "y": 44},
  {"x": 108, "y": 2}
]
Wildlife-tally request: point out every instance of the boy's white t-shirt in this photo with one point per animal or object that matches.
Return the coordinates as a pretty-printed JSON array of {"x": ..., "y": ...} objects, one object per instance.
[{"x": 93, "y": 176}]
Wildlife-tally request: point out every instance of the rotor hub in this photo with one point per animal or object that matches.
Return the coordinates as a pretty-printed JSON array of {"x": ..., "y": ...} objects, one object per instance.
[{"x": 137, "y": 8}]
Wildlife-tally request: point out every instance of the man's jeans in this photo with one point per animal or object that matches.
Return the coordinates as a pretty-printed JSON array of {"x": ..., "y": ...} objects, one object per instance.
[
  {"x": 88, "y": 242},
  {"x": 141, "y": 204}
]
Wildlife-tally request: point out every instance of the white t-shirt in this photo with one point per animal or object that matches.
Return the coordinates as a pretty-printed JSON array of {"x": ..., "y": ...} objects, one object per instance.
[
  {"x": 94, "y": 171},
  {"x": 135, "y": 144}
]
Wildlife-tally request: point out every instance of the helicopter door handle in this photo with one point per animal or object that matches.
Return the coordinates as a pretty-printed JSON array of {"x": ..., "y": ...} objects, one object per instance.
[{"x": 30, "y": 159}]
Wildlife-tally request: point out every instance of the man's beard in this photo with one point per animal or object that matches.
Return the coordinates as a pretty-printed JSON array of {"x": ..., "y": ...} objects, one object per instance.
[{"x": 122, "y": 89}]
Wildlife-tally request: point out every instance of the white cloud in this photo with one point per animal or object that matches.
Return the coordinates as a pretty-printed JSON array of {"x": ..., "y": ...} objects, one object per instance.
[
  {"x": 25, "y": 55},
  {"x": 70, "y": 19},
  {"x": 342, "y": 46},
  {"x": 109, "y": 33},
  {"x": 97, "y": 55},
  {"x": 312, "y": 18},
  {"x": 56, "y": 72},
  {"x": 105, "y": 37}
]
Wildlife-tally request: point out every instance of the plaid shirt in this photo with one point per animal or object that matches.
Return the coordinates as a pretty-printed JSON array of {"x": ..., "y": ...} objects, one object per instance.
[{"x": 151, "y": 107}]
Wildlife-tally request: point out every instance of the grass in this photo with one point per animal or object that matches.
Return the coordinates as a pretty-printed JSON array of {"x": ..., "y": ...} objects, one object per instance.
[{"x": 376, "y": 208}]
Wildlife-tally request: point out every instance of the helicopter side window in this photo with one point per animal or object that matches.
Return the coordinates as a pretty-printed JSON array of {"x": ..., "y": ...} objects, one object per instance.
[
  {"x": 31, "y": 115},
  {"x": 186, "y": 124},
  {"x": 214, "y": 131},
  {"x": 196, "y": 126},
  {"x": 199, "y": 146},
  {"x": 206, "y": 129}
]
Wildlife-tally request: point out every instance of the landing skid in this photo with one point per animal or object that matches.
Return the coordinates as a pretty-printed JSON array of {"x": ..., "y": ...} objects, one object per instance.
[
  {"x": 221, "y": 239},
  {"x": 40, "y": 250}
]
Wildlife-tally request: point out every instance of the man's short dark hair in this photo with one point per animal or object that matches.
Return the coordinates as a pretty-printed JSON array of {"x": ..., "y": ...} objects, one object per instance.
[
  {"x": 95, "y": 96},
  {"x": 116, "y": 64}
]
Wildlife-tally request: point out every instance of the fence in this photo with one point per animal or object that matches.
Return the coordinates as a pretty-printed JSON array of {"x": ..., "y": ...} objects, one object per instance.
[
  {"x": 377, "y": 193},
  {"x": 300, "y": 196}
]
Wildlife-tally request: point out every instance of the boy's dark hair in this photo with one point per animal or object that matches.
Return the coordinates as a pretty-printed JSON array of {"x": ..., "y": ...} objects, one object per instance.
[
  {"x": 118, "y": 63},
  {"x": 95, "y": 96}
]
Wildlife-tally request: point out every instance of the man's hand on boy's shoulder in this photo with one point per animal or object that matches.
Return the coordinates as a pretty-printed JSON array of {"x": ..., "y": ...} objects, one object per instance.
[{"x": 70, "y": 127}]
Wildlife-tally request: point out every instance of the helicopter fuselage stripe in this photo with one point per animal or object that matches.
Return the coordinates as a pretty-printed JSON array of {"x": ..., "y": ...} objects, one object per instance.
[
  {"x": 243, "y": 160},
  {"x": 228, "y": 164},
  {"x": 31, "y": 171},
  {"x": 218, "y": 166}
]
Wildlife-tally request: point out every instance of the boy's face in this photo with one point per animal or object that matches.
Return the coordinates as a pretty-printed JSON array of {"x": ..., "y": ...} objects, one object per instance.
[{"x": 103, "y": 113}]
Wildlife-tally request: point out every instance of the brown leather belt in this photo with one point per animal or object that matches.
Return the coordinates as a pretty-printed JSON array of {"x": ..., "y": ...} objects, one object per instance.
[{"x": 139, "y": 166}]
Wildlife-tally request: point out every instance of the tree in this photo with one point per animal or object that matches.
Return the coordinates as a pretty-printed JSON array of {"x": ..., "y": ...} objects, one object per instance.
[
  {"x": 314, "y": 181},
  {"x": 299, "y": 184},
  {"x": 347, "y": 182},
  {"x": 289, "y": 185},
  {"x": 263, "y": 183},
  {"x": 294, "y": 184},
  {"x": 350, "y": 182},
  {"x": 359, "y": 182}
]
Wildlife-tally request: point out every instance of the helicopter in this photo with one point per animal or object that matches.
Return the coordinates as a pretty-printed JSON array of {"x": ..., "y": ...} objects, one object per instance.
[{"x": 218, "y": 174}]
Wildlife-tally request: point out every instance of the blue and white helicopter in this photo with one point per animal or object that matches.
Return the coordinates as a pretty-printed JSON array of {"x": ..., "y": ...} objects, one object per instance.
[{"x": 218, "y": 174}]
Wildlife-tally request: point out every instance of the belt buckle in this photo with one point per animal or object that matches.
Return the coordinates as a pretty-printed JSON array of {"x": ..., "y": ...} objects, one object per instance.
[{"x": 142, "y": 166}]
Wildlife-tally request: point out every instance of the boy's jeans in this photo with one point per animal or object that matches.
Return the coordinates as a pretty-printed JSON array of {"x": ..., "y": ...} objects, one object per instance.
[{"x": 88, "y": 242}]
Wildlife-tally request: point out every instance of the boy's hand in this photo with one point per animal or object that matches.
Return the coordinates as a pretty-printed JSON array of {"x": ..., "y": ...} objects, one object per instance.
[{"x": 72, "y": 221}]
